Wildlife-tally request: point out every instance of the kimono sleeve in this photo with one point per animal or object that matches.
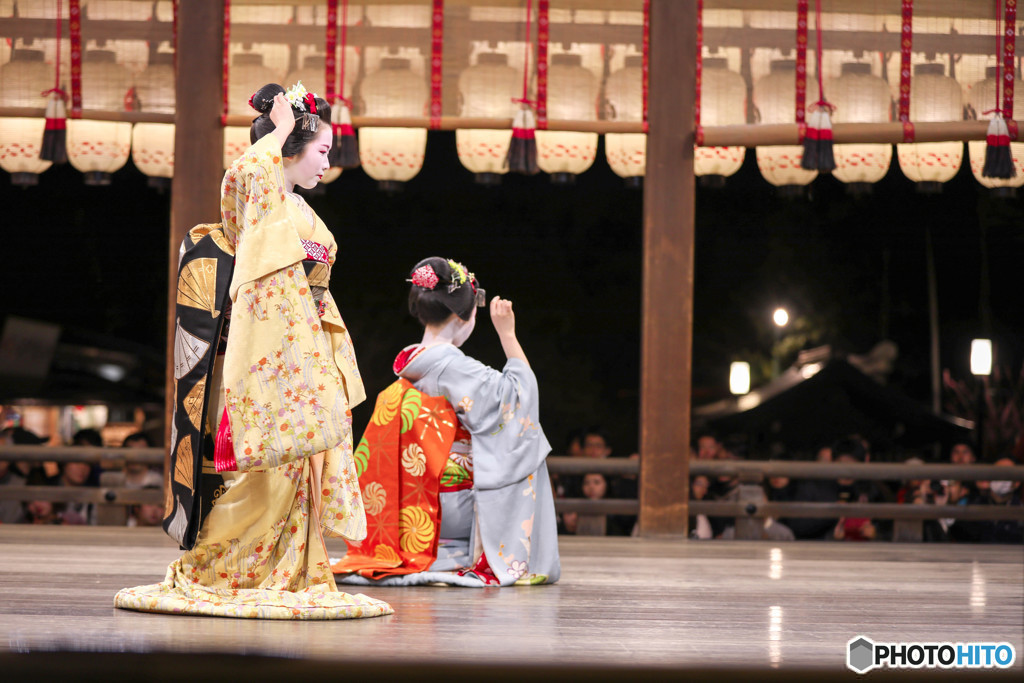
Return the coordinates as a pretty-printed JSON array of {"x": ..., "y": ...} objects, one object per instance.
[
  {"x": 255, "y": 215},
  {"x": 501, "y": 410}
]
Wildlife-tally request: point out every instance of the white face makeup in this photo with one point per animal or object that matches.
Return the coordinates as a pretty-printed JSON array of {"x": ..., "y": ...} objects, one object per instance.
[{"x": 307, "y": 168}]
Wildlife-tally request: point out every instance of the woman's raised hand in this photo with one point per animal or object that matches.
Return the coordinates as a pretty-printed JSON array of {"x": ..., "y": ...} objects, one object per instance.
[
  {"x": 282, "y": 117},
  {"x": 503, "y": 318}
]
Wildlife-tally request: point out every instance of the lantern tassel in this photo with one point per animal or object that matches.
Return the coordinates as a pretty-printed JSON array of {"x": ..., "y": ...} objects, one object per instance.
[
  {"x": 54, "y": 146},
  {"x": 818, "y": 141},
  {"x": 522, "y": 151},
  {"x": 998, "y": 158},
  {"x": 345, "y": 152}
]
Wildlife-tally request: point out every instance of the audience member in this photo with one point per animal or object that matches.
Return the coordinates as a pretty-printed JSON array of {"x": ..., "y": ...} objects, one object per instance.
[
  {"x": 148, "y": 514},
  {"x": 708, "y": 446},
  {"x": 11, "y": 511},
  {"x": 700, "y": 526},
  {"x": 136, "y": 474},
  {"x": 1005, "y": 493}
]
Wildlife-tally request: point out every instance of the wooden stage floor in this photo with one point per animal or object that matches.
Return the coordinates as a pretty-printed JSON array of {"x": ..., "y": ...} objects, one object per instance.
[{"x": 651, "y": 605}]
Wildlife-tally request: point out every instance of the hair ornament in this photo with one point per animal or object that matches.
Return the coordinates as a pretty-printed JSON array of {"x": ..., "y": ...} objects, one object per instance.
[
  {"x": 460, "y": 275},
  {"x": 424, "y": 277},
  {"x": 304, "y": 101}
]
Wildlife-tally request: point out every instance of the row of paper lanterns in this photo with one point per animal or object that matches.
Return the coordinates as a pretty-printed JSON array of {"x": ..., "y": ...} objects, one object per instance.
[{"x": 390, "y": 155}]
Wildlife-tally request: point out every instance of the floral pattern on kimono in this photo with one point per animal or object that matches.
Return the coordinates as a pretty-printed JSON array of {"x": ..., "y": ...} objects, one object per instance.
[
  {"x": 505, "y": 522},
  {"x": 287, "y": 380}
]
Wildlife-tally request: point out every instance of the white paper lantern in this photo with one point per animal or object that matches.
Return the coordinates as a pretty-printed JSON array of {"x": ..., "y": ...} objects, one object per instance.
[
  {"x": 153, "y": 143},
  {"x": 24, "y": 78},
  {"x": 487, "y": 90},
  {"x": 982, "y": 98},
  {"x": 774, "y": 98},
  {"x": 723, "y": 102},
  {"x": 934, "y": 97},
  {"x": 860, "y": 97},
  {"x": 393, "y": 155},
  {"x": 98, "y": 148},
  {"x": 626, "y": 152},
  {"x": 572, "y": 95}
]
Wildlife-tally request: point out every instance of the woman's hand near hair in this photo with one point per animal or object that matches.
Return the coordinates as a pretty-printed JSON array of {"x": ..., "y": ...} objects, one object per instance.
[
  {"x": 282, "y": 118},
  {"x": 504, "y": 321}
]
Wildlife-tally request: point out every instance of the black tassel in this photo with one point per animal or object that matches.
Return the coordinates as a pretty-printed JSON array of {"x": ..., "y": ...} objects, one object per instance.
[
  {"x": 345, "y": 151},
  {"x": 522, "y": 151},
  {"x": 54, "y": 147},
  {"x": 818, "y": 154},
  {"x": 998, "y": 157}
]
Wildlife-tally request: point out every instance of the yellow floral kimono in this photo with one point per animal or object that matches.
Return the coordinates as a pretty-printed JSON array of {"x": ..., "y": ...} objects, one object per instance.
[{"x": 287, "y": 379}]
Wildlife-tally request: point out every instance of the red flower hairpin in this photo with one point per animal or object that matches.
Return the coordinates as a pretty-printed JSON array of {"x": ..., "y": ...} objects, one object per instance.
[
  {"x": 425, "y": 277},
  {"x": 311, "y": 101}
]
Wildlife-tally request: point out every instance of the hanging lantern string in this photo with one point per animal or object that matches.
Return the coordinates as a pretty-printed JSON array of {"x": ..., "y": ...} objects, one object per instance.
[
  {"x": 226, "y": 63},
  {"x": 822, "y": 103},
  {"x": 526, "y": 62},
  {"x": 999, "y": 51},
  {"x": 344, "y": 44},
  {"x": 1009, "y": 50},
  {"x": 56, "y": 72}
]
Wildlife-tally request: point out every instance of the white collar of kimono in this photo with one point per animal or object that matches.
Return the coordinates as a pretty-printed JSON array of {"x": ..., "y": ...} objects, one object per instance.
[{"x": 455, "y": 332}]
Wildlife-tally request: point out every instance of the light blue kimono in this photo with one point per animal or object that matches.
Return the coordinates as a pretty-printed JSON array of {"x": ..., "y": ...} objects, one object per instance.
[{"x": 509, "y": 513}]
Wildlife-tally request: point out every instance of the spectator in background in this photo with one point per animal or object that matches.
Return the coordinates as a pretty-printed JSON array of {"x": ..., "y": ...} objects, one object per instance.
[
  {"x": 708, "y": 446},
  {"x": 136, "y": 474},
  {"x": 11, "y": 511},
  {"x": 700, "y": 526},
  {"x": 1005, "y": 493},
  {"x": 853, "y": 450},
  {"x": 963, "y": 453},
  {"x": 80, "y": 474},
  {"x": 147, "y": 514}
]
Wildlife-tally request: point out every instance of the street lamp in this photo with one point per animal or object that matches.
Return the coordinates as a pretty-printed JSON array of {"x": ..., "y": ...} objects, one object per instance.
[
  {"x": 781, "y": 318},
  {"x": 981, "y": 367},
  {"x": 739, "y": 377},
  {"x": 981, "y": 357}
]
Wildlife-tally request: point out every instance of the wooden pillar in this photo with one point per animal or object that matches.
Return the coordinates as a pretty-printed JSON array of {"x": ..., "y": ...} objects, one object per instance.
[
  {"x": 198, "y": 143},
  {"x": 668, "y": 271}
]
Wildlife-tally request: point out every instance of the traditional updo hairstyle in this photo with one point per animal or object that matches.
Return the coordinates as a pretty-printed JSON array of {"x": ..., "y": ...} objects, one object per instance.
[
  {"x": 263, "y": 101},
  {"x": 432, "y": 305}
]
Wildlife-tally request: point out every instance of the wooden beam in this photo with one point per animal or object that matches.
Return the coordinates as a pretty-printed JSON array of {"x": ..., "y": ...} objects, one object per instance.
[
  {"x": 668, "y": 225},
  {"x": 198, "y": 144}
]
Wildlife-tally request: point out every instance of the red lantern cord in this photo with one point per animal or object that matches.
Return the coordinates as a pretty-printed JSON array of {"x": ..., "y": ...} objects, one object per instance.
[
  {"x": 1009, "y": 50},
  {"x": 543, "y": 32},
  {"x": 698, "y": 129},
  {"x": 526, "y": 59},
  {"x": 906, "y": 45},
  {"x": 801, "y": 66},
  {"x": 822, "y": 103},
  {"x": 226, "y": 63},
  {"x": 998, "y": 156},
  {"x": 330, "y": 49},
  {"x": 436, "y": 47},
  {"x": 56, "y": 72},
  {"x": 75, "y": 35}
]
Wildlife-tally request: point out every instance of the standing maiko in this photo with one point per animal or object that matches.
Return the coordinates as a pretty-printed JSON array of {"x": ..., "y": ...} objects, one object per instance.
[{"x": 265, "y": 368}]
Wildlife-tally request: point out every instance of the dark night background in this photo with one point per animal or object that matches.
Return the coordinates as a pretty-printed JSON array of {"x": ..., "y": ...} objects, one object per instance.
[{"x": 850, "y": 270}]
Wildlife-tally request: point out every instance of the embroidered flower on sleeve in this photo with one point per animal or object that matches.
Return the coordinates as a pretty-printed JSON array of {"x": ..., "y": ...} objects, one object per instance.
[
  {"x": 466, "y": 404},
  {"x": 517, "y": 568}
]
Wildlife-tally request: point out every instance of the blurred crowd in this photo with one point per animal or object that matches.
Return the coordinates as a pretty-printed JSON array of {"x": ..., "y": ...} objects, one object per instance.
[
  {"x": 593, "y": 443},
  {"x": 72, "y": 474}
]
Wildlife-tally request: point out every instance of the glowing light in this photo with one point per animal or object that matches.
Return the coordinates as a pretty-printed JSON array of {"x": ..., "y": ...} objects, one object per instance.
[
  {"x": 981, "y": 357},
  {"x": 781, "y": 317},
  {"x": 739, "y": 377}
]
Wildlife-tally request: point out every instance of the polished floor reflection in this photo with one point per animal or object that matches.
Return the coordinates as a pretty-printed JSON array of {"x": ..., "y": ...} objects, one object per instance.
[{"x": 621, "y": 601}]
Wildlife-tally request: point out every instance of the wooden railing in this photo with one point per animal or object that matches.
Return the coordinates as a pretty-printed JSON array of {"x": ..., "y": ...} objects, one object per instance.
[
  {"x": 752, "y": 507},
  {"x": 751, "y": 504}
]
